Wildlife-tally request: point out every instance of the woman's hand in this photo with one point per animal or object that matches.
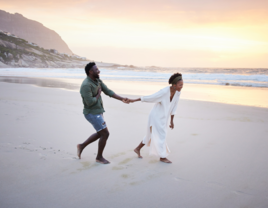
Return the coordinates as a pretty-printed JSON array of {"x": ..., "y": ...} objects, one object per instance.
[
  {"x": 171, "y": 122},
  {"x": 171, "y": 125},
  {"x": 125, "y": 100},
  {"x": 131, "y": 100}
]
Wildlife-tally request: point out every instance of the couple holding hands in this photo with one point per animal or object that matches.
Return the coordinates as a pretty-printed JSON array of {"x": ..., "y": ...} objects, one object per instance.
[{"x": 166, "y": 102}]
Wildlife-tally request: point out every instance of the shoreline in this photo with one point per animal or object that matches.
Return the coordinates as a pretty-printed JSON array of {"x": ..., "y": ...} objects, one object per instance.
[
  {"x": 246, "y": 78},
  {"x": 234, "y": 95}
]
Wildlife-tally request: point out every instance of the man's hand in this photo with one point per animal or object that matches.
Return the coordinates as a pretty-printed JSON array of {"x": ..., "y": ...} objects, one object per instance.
[
  {"x": 132, "y": 100},
  {"x": 125, "y": 100},
  {"x": 171, "y": 125},
  {"x": 99, "y": 91}
]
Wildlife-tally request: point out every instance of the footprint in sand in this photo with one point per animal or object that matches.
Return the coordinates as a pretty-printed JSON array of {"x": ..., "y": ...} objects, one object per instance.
[
  {"x": 153, "y": 161},
  {"x": 49, "y": 151},
  {"x": 118, "y": 168},
  {"x": 41, "y": 156},
  {"x": 180, "y": 179},
  {"x": 117, "y": 155},
  {"x": 125, "y": 176},
  {"x": 125, "y": 161}
]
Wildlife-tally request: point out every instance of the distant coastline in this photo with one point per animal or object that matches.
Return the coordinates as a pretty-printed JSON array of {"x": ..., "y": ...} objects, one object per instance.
[{"x": 17, "y": 52}]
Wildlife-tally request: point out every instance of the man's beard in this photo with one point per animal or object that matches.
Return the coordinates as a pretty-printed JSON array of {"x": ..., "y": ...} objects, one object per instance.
[{"x": 96, "y": 76}]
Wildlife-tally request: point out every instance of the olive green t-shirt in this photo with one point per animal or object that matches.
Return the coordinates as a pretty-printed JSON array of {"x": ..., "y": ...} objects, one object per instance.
[{"x": 89, "y": 91}]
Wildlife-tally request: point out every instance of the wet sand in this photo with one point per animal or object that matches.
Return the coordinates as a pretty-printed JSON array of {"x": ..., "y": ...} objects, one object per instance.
[
  {"x": 219, "y": 154},
  {"x": 246, "y": 96}
]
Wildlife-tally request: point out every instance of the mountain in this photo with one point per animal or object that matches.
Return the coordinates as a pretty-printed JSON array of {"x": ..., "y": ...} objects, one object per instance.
[
  {"x": 32, "y": 31},
  {"x": 17, "y": 52}
]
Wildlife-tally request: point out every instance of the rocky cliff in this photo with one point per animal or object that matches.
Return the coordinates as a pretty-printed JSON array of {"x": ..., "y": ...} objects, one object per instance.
[
  {"x": 17, "y": 52},
  {"x": 32, "y": 31}
]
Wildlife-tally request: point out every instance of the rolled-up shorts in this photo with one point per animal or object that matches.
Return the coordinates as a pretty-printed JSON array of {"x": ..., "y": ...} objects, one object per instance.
[{"x": 97, "y": 121}]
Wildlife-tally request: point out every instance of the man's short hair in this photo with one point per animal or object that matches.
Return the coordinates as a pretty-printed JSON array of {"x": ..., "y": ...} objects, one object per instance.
[{"x": 89, "y": 66}]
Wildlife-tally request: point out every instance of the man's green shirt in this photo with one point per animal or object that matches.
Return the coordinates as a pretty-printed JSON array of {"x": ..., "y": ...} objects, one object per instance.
[{"x": 89, "y": 91}]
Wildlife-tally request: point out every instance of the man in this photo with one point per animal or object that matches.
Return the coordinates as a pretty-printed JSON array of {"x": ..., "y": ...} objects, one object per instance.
[{"x": 90, "y": 91}]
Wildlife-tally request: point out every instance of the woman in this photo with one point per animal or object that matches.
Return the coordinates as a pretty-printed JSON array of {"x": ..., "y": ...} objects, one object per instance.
[{"x": 166, "y": 102}]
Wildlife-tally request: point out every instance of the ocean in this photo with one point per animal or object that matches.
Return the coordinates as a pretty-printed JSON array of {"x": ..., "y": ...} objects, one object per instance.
[{"x": 257, "y": 77}]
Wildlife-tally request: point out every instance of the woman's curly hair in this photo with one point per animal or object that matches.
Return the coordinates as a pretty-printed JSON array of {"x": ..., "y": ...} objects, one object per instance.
[{"x": 173, "y": 77}]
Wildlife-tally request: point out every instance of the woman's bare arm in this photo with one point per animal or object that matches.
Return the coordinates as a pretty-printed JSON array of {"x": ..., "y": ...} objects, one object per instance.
[{"x": 134, "y": 100}]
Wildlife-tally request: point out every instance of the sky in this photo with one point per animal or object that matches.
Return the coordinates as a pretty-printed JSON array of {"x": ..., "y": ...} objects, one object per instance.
[{"x": 168, "y": 33}]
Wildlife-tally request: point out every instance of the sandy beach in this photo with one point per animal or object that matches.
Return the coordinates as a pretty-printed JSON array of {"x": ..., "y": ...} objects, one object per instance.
[{"x": 219, "y": 154}]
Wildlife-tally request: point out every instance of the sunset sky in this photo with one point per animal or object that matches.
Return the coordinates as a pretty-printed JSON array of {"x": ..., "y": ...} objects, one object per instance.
[{"x": 192, "y": 33}]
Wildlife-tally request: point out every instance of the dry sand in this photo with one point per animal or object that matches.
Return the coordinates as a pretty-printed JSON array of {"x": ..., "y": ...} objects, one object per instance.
[{"x": 219, "y": 154}]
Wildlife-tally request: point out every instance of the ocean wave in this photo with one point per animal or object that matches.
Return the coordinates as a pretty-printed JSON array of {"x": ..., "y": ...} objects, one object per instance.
[
  {"x": 234, "y": 79},
  {"x": 242, "y": 71}
]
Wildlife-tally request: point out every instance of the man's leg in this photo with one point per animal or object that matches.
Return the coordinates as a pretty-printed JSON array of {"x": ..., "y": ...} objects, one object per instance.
[
  {"x": 91, "y": 139},
  {"x": 104, "y": 134}
]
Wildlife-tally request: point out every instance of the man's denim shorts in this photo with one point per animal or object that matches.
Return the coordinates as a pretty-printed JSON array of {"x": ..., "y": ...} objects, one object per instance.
[{"x": 97, "y": 121}]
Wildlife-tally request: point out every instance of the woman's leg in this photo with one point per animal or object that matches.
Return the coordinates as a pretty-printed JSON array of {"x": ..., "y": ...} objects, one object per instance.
[
  {"x": 165, "y": 160},
  {"x": 138, "y": 149}
]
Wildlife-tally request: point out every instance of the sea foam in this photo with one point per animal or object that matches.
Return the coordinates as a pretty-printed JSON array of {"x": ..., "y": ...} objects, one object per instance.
[{"x": 237, "y": 77}]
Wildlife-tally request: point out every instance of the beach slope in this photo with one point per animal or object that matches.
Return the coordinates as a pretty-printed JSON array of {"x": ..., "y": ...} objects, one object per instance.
[{"x": 219, "y": 154}]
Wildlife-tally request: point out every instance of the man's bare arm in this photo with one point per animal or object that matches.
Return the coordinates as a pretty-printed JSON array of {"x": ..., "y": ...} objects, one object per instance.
[{"x": 115, "y": 96}]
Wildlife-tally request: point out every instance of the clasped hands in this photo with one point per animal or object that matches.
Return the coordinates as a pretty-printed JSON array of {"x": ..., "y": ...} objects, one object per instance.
[{"x": 127, "y": 100}]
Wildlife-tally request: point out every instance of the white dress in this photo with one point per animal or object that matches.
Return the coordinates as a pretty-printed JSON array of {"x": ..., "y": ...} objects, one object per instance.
[{"x": 159, "y": 120}]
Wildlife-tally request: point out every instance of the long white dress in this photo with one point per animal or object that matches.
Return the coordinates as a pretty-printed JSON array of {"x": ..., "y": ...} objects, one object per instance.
[{"x": 159, "y": 120}]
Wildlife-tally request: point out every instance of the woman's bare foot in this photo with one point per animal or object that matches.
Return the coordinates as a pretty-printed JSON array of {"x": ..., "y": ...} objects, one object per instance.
[
  {"x": 102, "y": 160},
  {"x": 165, "y": 160},
  {"x": 138, "y": 151},
  {"x": 79, "y": 150}
]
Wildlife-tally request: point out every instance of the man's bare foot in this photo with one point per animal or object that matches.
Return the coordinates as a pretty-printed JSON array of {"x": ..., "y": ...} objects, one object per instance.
[
  {"x": 138, "y": 152},
  {"x": 165, "y": 160},
  {"x": 79, "y": 150},
  {"x": 102, "y": 161}
]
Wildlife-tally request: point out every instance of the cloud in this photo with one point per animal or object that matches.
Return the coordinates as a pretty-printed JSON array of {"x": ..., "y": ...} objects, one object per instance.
[
  {"x": 152, "y": 9},
  {"x": 173, "y": 58},
  {"x": 40, "y": 4}
]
